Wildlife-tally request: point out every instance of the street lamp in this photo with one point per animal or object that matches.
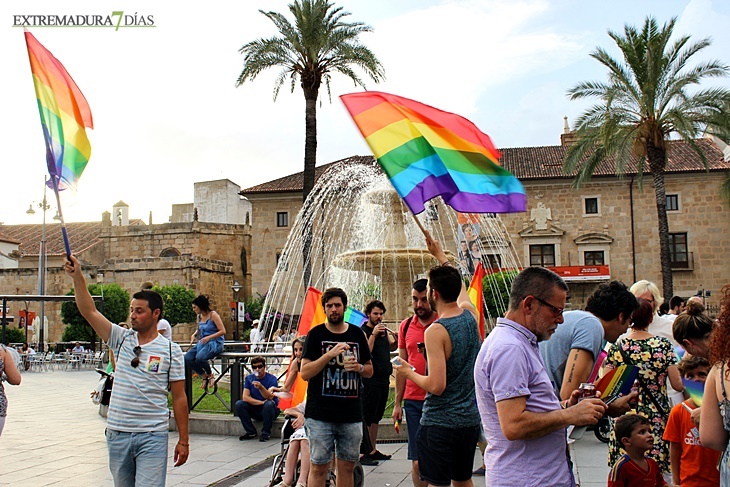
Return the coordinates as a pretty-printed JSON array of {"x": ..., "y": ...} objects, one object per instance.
[
  {"x": 236, "y": 288},
  {"x": 44, "y": 206}
]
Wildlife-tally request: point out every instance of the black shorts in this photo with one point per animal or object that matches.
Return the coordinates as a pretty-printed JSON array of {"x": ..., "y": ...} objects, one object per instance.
[
  {"x": 374, "y": 399},
  {"x": 446, "y": 454}
]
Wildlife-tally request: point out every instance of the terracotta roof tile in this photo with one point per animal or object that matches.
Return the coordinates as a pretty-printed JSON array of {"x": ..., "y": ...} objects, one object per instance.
[
  {"x": 5, "y": 238},
  {"x": 81, "y": 237},
  {"x": 531, "y": 163}
]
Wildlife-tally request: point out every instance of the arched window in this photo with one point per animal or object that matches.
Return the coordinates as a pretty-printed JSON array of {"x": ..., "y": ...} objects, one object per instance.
[{"x": 170, "y": 252}]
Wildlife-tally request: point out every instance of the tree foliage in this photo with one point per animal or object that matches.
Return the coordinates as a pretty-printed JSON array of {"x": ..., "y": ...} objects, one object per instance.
[
  {"x": 115, "y": 309},
  {"x": 650, "y": 95},
  {"x": 178, "y": 302},
  {"x": 14, "y": 335},
  {"x": 496, "y": 288}
]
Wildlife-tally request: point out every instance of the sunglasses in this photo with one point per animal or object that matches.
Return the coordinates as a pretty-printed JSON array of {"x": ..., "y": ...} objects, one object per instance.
[
  {"x": 556, "y": 311},
  {"x": 137, "y": 352},
  {"x": 258, "y": 366}
]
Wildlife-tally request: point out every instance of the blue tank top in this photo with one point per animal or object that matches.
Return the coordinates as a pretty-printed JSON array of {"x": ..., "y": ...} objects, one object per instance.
[
  {"x": 207, "y": 328},
  {"x": 456, "y": 407}
]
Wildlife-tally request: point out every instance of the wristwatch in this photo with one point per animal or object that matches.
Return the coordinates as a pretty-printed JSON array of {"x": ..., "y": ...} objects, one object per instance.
[{"x": 362, "y": 367}]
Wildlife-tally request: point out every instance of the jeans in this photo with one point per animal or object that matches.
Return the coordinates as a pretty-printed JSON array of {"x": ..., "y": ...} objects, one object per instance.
[
  {"x": 199, "y": 354},
  {"x": 414, "y": 411},
  {"x": 137, "y": 459},
  {"x": 325, "y": 437},
  {"x": 266, "y": 412}
]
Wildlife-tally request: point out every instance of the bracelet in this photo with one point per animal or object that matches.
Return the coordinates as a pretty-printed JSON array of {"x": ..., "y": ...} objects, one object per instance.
[
  {"x": 446, "y": 263},
  {"x": 183, "y": 444}
]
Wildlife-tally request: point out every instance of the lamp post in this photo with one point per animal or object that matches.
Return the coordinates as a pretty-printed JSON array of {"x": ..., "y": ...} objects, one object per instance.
[
  {"x": 236, "y": 288},
  {"x": 43, "y": 205}
]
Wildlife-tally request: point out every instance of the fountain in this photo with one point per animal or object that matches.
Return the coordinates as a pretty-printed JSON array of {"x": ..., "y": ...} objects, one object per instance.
[{"x": 365, "y": 240}]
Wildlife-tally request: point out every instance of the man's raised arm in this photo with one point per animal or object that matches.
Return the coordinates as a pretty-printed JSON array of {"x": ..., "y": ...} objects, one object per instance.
[{"x": 85, "y": 302}]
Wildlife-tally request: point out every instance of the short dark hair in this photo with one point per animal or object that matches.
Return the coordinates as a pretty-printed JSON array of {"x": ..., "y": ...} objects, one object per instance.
[
  {"x": 626, "y": 424},
  {"x": 534, "y": 281},
  {"x": 691, "y": 362},
  {"x": 641, "y": 318},
  {"x": 332, "y": 293},
  {"x": 374, "y": 304},
  {"x": 258, "y": 359},
  {"x": 420, "y": 285},
  {"x": 693, "y": 323},
  {"x": 202, "y": 302},
  {"x": 663, "y": 308},
  {"x": 154, "y": 300},
  {"x": 611, "y": 299},
  {"x": 447, "y": 281},
  {"x": 675, "y": 301}
]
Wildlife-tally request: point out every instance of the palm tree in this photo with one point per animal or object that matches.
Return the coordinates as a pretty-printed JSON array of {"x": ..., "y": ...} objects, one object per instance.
[
  {"x": 649, "y": 97},
  {"x": 319, "y": 44}
]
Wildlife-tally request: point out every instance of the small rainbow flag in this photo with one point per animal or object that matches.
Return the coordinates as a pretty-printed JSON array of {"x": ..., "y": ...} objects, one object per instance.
[
  {"x": 312, "y": 315},
  {"x": 427, "y": 152},
  {"x": 617, "y": 382},
  {"x": 695, "y": 390},
  {"x": 355, "y": 317},
  {"x": 65, "y": 114},
  {"x": 477, "y": 297}
]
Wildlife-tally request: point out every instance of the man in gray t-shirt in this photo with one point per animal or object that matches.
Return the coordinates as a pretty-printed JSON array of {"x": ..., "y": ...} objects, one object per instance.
[{"x": 571, "y": 352}]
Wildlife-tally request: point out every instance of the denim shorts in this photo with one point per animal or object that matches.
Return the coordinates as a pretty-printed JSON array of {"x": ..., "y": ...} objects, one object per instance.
[
  {"x": 446, "y": 454},
  {"x": 137, "y": 459},
  {"x": 325, "y": 438}
]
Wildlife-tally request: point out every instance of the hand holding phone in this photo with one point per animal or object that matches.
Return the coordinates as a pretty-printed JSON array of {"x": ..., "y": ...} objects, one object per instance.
[{"x": 398, "y": 362}]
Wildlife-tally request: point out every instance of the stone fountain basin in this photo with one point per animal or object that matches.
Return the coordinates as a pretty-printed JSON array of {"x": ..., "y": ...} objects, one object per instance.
[{"x": 374, "y": 261}]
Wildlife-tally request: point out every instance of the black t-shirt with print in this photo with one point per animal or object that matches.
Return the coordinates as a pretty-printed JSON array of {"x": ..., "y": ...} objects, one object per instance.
[
  {"x": 333, "y": 395},
  {"x": 382, "y": 368}
]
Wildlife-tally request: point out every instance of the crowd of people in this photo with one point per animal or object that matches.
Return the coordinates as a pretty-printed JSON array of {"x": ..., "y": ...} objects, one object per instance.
[{"x": 521, "y": 390}]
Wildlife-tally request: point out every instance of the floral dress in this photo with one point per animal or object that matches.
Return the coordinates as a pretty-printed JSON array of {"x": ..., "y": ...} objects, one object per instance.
[
  {"x": 653, "y": 356},
  {"x": 3, "y": 399}
]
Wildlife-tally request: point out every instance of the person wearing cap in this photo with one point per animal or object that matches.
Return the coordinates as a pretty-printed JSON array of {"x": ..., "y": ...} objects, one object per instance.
[{"x": 255, "y": 337}]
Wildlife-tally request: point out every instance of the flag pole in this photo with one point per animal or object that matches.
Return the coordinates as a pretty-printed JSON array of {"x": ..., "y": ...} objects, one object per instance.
[{"x": 66, "y": 243}]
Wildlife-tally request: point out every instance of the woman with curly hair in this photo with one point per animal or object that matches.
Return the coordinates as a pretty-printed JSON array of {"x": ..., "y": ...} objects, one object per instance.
[
  {"x": 715, "y": 415},
  {"x": 656, "y": 360}
]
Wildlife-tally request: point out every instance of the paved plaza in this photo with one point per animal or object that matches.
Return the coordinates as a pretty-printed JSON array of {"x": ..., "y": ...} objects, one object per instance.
[{"x": 54, "y": 436}]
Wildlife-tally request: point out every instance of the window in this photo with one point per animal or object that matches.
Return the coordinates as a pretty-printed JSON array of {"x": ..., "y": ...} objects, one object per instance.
[
  {"x": 593, "y": 257},
  {"x": 170, "y": 252},
  {"x": 591, "y": 206},
  {"x": 282, "y": 219},
  {"x": 672, "y": 202},
  {"x": 678, "y": 250},
  {"x": 542, "y": 255},
  {"x": 492, "y": 261}
]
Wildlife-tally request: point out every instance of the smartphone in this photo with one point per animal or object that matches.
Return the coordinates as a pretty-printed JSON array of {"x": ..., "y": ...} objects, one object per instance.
[{"x": 396, "y": 361}]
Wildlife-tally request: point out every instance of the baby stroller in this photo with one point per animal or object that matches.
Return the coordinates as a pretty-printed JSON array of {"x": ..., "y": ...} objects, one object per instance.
[{"x": 277, "y": 469}]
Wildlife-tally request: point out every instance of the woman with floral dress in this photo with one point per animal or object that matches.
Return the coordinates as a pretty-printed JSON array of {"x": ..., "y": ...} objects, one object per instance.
[{"x": 656, "y": 360}]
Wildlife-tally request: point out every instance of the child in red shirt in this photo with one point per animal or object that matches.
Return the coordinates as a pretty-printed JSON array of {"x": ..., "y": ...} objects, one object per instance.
[
  {"x": 693, "y": 465},
  {"x": 633, "y": 469}
]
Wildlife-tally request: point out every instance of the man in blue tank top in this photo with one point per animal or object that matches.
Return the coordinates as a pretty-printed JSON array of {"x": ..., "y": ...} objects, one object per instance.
[{"x": 450, "y": 422}]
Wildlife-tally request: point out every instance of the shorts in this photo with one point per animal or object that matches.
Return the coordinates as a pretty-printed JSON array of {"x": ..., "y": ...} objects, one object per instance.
[
  {"x": 374, "y": 399},
  {"x": 446, "y": 454},
  {"x": 413, "y": 410},
  {"x": 325, "y": 438}
]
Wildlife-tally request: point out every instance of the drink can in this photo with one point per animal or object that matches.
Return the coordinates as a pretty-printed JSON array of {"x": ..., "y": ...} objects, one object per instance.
[{"x": 586, "y": 390}]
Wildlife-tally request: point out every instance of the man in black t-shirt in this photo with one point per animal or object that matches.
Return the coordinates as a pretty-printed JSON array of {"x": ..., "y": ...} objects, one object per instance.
[
  {"x": 336, "y": 356},
  {"x": 375, "y": 392}
]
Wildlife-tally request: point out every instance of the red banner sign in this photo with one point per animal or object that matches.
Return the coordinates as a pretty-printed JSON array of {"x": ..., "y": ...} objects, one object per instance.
[{"x": 583, "y": 272}]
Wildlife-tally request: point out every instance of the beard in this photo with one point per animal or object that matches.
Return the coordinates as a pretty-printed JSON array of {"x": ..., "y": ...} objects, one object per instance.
[
  {"x": 335, "y": 318},
  {"x": 422, "y": 312}
]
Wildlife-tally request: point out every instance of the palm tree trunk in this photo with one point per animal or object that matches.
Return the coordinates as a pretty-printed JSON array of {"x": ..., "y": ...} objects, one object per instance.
[
  {"x": 310, "y": 161},
  {"x": 657, "y": 162}
]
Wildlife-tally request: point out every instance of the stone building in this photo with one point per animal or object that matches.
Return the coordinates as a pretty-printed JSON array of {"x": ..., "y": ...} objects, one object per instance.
[
  {"x": 205, "y": 249},
  {"x": 605, "y": 230}
]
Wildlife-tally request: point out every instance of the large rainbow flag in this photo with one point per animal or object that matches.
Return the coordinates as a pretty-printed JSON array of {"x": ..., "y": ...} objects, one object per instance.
[
  {"x": 476, "y": 296},
  {"x": 427, "y": 152},
  {"x": 65, "y": 115},
  {"x": 312, "y": 315}
]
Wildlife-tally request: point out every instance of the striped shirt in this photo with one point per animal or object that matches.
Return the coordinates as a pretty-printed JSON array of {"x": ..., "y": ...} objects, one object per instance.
[{"x": 139, "y": 397}]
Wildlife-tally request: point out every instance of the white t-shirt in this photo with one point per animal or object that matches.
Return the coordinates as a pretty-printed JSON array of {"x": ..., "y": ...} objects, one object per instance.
[
  {"x": 164, "y": 326},
  {"x": 255, "y": 338}
]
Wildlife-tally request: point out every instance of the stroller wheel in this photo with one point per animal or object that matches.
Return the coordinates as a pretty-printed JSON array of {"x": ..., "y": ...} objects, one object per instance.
[
  {"x": 359, "y": 475},
  {"x": 603, "y": 430}
]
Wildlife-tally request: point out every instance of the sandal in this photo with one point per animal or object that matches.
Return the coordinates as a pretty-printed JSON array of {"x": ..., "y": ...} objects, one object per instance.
[{"x": 205, "y": 382}]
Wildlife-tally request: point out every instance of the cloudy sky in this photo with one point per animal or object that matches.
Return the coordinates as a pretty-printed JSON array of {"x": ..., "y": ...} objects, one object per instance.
[{"x": 167, "y": 112}]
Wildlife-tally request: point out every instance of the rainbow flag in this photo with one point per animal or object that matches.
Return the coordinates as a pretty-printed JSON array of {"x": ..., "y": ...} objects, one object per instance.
[
  {"x": 617, "y": 382},
  {"x": 427, "y": 152},
  {"x": 476, "y": 296},
  {"x": 312, "y": 315},
  {"x": 355, "y": 317},
  {"x": 695, "y": 390},
  {"x": 65, "y": 114}
]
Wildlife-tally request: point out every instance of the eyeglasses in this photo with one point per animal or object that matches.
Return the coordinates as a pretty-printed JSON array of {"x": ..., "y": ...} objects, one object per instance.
[
  {"x": 556, "y": 311},
  {"x": 137, "y": 352},
  {"x": 258, "y": 366}
]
